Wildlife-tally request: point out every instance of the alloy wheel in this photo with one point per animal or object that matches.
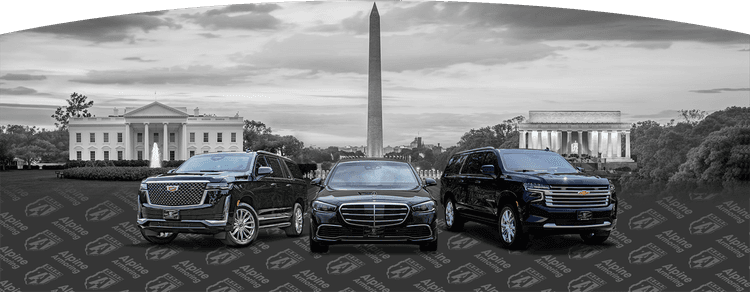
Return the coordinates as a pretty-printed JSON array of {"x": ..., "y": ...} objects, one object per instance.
[
  {"x": 508, "y": 226},
  {"x": 298, "y": 219},
  {"x": 449, "y": 214},
  {"x": 244, "y": 226}
]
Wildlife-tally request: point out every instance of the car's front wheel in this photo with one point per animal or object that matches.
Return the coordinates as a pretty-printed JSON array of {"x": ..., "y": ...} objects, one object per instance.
[
  {"x": 159, "y": 238},
  {"x": 297, "y": 220},
  {"x": 595, "y": 237},
  {"x": 511, "y": 233},
  {"x": 244, "y": 227}
]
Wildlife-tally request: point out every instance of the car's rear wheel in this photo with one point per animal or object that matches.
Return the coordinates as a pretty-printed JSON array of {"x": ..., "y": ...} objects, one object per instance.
[
  {"x": 297, "y": 221},
  {"x": 453, "y": 221},
  {"x": 595, "y": 237},
  {"x": 159, "y": 238},
  {"x": 244, "y": 228},
  {"x": 511, "y": 233}
]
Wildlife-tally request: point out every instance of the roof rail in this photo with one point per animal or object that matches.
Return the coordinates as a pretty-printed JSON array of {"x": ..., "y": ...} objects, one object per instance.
[
  {"x": 475, "y": 149},
  {"x": 266, "y": 152}
]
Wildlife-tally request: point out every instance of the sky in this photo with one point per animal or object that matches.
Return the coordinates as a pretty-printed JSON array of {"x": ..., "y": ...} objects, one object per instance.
[{"x": 301, "y": 67}]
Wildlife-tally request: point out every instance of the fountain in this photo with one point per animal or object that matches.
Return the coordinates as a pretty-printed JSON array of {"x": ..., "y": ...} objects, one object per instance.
[{"x": 155, "y": 157}]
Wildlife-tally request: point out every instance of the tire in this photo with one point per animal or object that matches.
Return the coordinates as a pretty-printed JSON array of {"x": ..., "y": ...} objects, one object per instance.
[
  {"x": 161, "y": 238},
  {"x": 511, "y": 233},
  {"x": 244, "y": 227},
  {"x": 453, "y": 221},
  {"x": 297, "y": 220},
  {"x": 595, "y": 237}
]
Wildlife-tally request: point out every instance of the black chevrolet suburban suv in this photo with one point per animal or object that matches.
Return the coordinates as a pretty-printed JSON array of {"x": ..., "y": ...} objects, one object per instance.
[
  {"x": 230, "y": 195},
  {"x": 526, "y": 191}
]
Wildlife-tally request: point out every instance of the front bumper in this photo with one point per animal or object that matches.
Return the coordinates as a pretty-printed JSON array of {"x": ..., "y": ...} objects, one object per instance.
[
  {"x": 199, "y": 219},
  {"x": 330, "y": 228},
  {"x": 540, "y": 219}
]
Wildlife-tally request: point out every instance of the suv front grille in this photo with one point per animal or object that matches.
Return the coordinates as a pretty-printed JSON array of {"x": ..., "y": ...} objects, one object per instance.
[
  {"x": 187, "y": 193},
  {"x": 577, "y": 196},
  {"x": 374, "y": 214}
]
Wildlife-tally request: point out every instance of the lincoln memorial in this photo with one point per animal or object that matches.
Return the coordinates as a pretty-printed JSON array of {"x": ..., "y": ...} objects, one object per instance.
[
  {"x": 130, "y": 134},
  {"x": 595, "y": 133}
]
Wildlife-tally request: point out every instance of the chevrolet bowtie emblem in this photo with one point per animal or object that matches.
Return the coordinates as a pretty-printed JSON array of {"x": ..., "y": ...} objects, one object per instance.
[
  {"x": 584, "y": 193},
  {"x": 172, "y": 188}
]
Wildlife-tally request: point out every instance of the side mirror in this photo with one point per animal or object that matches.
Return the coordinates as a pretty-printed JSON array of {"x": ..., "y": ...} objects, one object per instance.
[
  {"x": 488, "y": 169},
  {"x": 264, "y": 170},
  {"x": 581, "y": 169},
  {"x": 316, "y": 182},
  {"x": 171, "y": 170},
  {"x": 429, "y": 182}
]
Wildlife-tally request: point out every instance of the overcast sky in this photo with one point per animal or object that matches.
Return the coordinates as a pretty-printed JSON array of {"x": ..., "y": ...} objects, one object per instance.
[{"x": 301, "y": 67}]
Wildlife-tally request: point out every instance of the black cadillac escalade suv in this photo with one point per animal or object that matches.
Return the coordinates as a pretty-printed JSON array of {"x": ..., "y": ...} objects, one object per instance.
[
  {"x": 526, "y": 191},
  {"x": 373, "y": 200},
  {"x": 230, "y": 195}
]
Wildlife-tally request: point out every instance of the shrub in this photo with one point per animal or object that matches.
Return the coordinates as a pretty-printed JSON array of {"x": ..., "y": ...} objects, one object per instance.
[
  {"x": 124, "y": 163},
  {"x": 113, "y": 173}
]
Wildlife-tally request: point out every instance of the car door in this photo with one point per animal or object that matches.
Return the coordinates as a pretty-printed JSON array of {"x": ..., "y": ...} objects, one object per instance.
[
  {"x": 471, "y": 173},
  {"x": 298, "y": 183},
  {"x": 460, "y": 185},
  {"x": 485, "y": 188},
  {"x": 263, "y": 189},
  {"x": 279, "y": 187}
]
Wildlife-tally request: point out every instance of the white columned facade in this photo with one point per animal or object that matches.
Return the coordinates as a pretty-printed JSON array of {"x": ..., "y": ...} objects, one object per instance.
[
  {"x": 567, "y": 144},
  {"x": 595, "y": 143},
  {"x": 618, "y": 144},
  {"x": 165, "y": 145},
  {"x": 185, "y": 154},
  {"x": 580, "y": 143},
  {"x": 127, "y": 141},
  {"x": 627, "y": 145},
  {"x": 559, "y": 142},
  {"x": 605, "y": 140},
  {"x": 146, "y": 145}
]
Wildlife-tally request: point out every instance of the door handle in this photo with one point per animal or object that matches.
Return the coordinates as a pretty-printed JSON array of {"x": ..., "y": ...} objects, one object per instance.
[
  {"x": 289, "y": 185},
  {"x": 477, "y": 181},
  {"x": 273, "y": 184}
]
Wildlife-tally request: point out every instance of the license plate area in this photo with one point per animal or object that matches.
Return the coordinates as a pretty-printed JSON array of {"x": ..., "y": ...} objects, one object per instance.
[
  {"x": 171, "y": 214},
  {"x": 584, "y": 215},
  {"x": 373, "y": 232}
]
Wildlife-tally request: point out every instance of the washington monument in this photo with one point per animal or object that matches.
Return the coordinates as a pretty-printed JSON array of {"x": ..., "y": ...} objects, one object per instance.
[{"x": 374, "y": 94}]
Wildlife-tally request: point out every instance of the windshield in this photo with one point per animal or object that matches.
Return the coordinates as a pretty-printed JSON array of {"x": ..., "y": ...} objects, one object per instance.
[
  {"x": 373, "y": 175},
  {"x": 537, "y": 162},
  {"x": 216, "y": 162}
]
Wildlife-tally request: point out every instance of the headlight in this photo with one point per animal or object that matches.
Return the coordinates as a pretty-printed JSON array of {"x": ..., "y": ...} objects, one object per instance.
[
  {"x": 323, "y": 207},
  {"x": 219, "y": 186},
  {"x": 144, "y": 187},
  {"x": 428, "y": 206},
  {"x": 535, "y": 186},
  {"x": 611, "y": 187}
]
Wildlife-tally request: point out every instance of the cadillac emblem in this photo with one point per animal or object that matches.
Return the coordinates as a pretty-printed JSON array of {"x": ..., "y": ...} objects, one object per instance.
[
  {"x": 172, "y": 188},
  {"x": 583, "y": 193}
]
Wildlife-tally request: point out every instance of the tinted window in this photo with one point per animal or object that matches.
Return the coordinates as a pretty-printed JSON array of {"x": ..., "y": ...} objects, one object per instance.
[
  {"x": 261, "y": 161},
  {"x": 454, "y": 165},
  {"x": 491, "y": 159},
  {"x": 474, "y": 164},
  {"x": 373, "y": 175},
  {"x": 274, "y": 163},
  {"x": 537, "y": 162},
  {"x": 218, "y": 162},
  {"x": 294, "y": 169}
]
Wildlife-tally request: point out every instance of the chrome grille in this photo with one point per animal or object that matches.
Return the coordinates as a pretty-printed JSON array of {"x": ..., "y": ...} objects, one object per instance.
[
  {"x": 577, "y": 196},
  {"x": 187, "y": 193},
  {"x": 374, "y": 214}
]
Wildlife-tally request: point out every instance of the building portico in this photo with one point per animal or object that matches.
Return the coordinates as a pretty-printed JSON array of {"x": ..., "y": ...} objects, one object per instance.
[{"x": 594, "y": 133}]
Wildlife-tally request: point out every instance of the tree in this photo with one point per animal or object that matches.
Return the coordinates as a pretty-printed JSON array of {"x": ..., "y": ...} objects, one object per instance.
[
  {"x": 77, "y": 107},
  {"x": 724, "y": 156},
  {"x": 504, "y": 134},
  {"x": 693, "y": 116}
]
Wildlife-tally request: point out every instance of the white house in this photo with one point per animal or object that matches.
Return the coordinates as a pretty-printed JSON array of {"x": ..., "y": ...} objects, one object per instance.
[{"x": 131, "y": 135}]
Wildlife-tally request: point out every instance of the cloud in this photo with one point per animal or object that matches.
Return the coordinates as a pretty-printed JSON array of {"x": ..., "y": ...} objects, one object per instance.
[
  {"x": 22, "y": 77},
  {"x": 28, "y": 106},
  {"x": 200, "y": 75},
  {"x": 20, "y": 90},
  {"x": 107, "y": 29},
  {"x": 651, "y": 45},
  {"x": 744, "y": 50},
  {"x": 209, "y": 35},
  {"x": 665, "y": 114},
  {"x": 137, "y": 59},
  {"x": 719, "y": 90},
  {"x": 239, "y": 16}
]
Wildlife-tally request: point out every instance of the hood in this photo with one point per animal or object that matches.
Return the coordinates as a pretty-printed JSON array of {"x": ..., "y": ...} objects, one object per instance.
[
  {"x": 213, "y": 177},
  {"x": 578, "y": 179},
  {"x": 338, "y": 197}
]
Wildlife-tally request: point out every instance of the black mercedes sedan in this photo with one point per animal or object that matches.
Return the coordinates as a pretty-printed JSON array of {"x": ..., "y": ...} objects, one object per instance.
[{"x": 373, "y": 200}]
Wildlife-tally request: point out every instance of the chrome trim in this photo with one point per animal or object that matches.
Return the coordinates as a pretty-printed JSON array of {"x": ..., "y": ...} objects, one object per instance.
[
  {"x": 553, "y": 225},
  {"x": 272, "y": 209},
  {"x": 284, "y": 224},
  {"x": 210, "y": 223},
  {"x": 598, "y": 196},
  {"x": 408, "y": 211},
  {"x": 203, "y": 199},
  {"x": 321, "y": 225},
  {"x": 317, "y": 232},
  {"x": 226, "y": 215},
  {"x": 428, "y": 227},
  {"x": 188, "y": 207},
  {"x": 283, "y": 216}
]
